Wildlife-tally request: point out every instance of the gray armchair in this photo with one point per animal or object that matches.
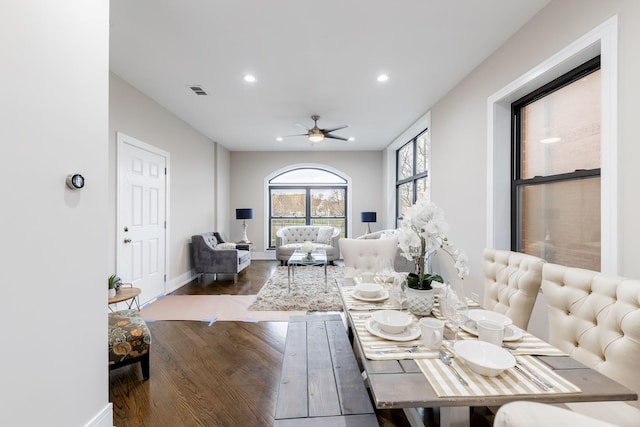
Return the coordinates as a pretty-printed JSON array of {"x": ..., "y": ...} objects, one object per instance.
[{"x": 211, "y": 255}]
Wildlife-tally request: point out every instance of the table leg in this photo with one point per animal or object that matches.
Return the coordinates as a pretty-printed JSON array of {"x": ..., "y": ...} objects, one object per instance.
[
  {"x": 325, "y": 278},
  {"x": 455, "y": 416},
  {"x": 288, "y": 277},
  {"x": 449, "y": 417}
]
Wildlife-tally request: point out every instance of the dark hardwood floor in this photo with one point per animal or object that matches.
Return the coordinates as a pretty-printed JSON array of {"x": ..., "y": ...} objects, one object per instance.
[{"x": 225, "y": 374}]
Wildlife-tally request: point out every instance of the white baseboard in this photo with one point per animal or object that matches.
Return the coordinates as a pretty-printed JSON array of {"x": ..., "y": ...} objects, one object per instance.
[
  {"x": 103, "y": 418},
  {"x": 180, "y": 281}
]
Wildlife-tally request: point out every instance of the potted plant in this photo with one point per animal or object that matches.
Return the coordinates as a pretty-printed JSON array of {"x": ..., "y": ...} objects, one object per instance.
[
  {"x": 114, "y": 282},
  {"x": 422, "y": 233}
]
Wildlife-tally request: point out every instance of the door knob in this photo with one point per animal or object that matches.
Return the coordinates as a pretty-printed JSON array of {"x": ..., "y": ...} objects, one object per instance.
[{"x": 127, "y": 240}]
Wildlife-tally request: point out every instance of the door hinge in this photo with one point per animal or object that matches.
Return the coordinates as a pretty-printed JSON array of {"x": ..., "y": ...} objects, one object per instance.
[
  {"x": 165, "y": 171},
  {"x": 165, "y": 277}
]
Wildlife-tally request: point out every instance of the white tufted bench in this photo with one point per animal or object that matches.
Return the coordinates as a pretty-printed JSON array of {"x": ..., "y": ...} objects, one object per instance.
[{"x": 595, "y": 318}]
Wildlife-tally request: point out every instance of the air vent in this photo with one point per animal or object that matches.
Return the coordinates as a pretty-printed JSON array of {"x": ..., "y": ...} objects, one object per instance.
[{"x": 198, "y": 90}]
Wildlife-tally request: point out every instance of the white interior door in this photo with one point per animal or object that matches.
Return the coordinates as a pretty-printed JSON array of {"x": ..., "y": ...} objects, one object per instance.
[{"x": 141, "y": 235}]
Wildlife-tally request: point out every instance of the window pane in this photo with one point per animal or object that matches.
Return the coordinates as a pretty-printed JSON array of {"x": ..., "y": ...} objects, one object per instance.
[
  {"x": 405, "y": 197},
  {"x": 288, "y": 202},
  {"x": 338, "y": 223},
  {"x": 327, "y": 202},
  {"x": 560, "y": 222},
  {"x": 423, "y": 188},
  {"x": 405, "y": 161},
  {"x": 561, "y": 131},
  {"x": 422, "y": 152},
  {"x": 278, "y": 223}
]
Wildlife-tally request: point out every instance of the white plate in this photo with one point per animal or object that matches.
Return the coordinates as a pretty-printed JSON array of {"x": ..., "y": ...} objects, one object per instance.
[
  {"x": 511, "y": 333},
  {"x": 383, "y": 295},
  {"x": 411, "y": 333}
]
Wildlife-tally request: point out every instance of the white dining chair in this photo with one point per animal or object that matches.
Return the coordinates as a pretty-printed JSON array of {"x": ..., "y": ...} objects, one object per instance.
[
  {"x": 511, "y": 283},
  {"x": 367, "y": 255},
  {"x": 595, "y": 318}
]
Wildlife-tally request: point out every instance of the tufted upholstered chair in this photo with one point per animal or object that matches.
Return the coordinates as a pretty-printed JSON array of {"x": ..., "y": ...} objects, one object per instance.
[
  {"x": 511, "y": 283},
  {"x": 533, "y": 414},
  {"x": 595, "y": 318},
  {"x": 366, "y": 255}
]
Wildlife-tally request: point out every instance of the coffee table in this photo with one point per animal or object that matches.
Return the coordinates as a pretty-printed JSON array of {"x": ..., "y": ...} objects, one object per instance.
[
  {"x": 299, "y": 258},
  {"x": 129, "y": 294}
]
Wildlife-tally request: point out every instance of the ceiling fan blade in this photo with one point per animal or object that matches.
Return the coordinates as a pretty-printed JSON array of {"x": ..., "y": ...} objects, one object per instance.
[
  {"x": 334, "y": 129},
  {"x": 298, "y": 134},
  {"x": 335, "y": 137}
]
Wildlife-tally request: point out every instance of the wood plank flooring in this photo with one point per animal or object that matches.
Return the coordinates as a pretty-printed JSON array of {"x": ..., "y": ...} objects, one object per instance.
[{"x": 225, "y": 374}]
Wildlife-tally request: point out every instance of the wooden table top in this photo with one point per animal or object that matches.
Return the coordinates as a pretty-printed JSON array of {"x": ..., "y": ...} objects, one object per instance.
[
  {"x": 401, "y": 384},
  {"x": 125, "y": 294}
]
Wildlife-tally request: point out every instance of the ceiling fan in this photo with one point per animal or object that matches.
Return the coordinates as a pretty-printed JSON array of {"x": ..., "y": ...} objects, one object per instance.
[{"x": 315, "y": 134}]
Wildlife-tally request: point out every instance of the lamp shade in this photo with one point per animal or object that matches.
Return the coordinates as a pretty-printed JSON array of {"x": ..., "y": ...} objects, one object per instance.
[
  {"x": 367, "y": 217},
  {"x": 244, "y": 213}
]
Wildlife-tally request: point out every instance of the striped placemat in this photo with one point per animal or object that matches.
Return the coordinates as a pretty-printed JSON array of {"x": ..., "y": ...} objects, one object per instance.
[
  {"x": 359, "y": 305},
  {"x": 393, "y": 350},
  {"x": 510, "y": 382}
]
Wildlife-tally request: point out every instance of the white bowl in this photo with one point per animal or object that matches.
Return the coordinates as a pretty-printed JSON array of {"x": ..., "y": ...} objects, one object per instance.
[
  {"x": 392, "y": 321},
  {"x": 492, "y": 316},
  {"x": 368, "y": 290},
  {"x": 484, "y": 358}
]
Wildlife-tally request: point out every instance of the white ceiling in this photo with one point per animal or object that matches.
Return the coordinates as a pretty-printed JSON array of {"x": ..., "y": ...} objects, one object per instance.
[{"x": 309, "y": 57}]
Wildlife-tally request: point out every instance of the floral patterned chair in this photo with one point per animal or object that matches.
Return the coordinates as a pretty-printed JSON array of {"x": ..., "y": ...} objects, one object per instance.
[{"x": 129, "y": 340}]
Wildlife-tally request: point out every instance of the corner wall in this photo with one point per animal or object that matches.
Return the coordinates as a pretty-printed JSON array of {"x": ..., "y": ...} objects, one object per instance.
[
  {"x": 459, "y": 126},
  {"x": 54, "y": 122},
  {"x": 192, "y": 172}
]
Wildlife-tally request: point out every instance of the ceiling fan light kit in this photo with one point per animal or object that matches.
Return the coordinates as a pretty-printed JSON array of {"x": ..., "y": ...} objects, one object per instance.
[{"x": 316, "y": 134}]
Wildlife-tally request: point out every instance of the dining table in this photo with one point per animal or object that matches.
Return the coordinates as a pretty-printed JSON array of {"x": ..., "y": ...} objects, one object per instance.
[{"x": 403, "y": 374}]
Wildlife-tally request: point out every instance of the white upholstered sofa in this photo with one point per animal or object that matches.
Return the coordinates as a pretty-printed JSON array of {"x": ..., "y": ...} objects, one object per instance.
[{"x": 288, "y": 239}]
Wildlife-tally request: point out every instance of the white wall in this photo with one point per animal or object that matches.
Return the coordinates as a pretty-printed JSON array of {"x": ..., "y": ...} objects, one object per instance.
[
  {"x": 53, "y": 122},
  {"x": 459, "y": 125},
  {"x": 249, "y": 170},
  {"x": 192, "y": 172}
]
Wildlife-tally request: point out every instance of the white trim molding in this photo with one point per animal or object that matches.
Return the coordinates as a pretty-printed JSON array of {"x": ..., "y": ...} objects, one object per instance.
[{"x": 602, "y": 40}]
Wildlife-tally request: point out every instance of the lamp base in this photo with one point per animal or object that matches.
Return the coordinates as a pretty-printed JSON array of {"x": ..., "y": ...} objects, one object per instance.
[{"x": 244, "y": 238}]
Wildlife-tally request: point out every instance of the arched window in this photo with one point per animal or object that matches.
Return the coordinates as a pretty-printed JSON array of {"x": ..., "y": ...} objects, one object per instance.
[{"x": 307, "y": 196}]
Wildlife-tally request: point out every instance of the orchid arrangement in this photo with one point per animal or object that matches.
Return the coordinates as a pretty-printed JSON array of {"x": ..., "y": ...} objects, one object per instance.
[{"x": 423, "y": 231}]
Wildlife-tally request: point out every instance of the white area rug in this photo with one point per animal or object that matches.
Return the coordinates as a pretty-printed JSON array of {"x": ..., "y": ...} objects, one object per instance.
[
  {"x": 307, "y": 291},
  {"x": 211, "y": 308}
]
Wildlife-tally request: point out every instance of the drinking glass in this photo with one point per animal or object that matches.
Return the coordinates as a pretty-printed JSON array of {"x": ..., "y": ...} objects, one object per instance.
[
  {"x": 398, "y": 293},
  {"x": 385, "y": 272},
  {"x": 455, "y": 306}
]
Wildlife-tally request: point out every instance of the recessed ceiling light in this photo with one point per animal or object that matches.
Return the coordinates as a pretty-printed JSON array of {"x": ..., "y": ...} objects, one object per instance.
[
  {"x": 382, "y": 78},
  {"x": 279, "y": 138},
  {"x": 352, "y": 139},
  {"x": 249, "y": 78}
]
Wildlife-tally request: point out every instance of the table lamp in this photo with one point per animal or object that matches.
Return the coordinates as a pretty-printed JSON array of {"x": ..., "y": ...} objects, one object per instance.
[
  {"x": 244, "y": 214},
  {"x": 368, "y": 217}
]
